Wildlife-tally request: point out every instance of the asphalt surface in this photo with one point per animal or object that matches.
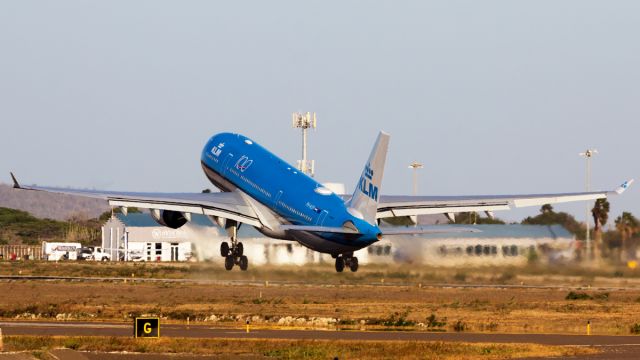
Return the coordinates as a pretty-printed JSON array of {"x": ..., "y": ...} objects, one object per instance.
[
  {"x": 203, "y": 331},
  {"x": 612, "y": 347}
]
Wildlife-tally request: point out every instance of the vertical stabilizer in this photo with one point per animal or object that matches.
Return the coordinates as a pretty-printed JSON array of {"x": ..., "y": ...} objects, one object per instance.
[{"x": 364, "y": 202}]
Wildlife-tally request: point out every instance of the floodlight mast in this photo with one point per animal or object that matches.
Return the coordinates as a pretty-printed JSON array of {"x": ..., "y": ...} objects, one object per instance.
[
  {"x": 588, "y": 154},
  {"x": 304, "y": 122},
  {"x": 415, "y": 166}
]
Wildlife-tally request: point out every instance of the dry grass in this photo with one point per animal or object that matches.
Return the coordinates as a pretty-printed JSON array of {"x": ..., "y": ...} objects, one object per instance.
[
  {"x": 296, "y": 349},
  {"x": 351, "y": 299},
  {"x": 489, "y": 310}
]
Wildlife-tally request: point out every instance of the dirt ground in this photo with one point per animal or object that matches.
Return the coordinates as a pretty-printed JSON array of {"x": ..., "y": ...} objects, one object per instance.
[{"x": 614, "y": 311}]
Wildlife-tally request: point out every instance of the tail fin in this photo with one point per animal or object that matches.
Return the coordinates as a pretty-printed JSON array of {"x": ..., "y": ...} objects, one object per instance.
[{"x": 364, "y": 202}]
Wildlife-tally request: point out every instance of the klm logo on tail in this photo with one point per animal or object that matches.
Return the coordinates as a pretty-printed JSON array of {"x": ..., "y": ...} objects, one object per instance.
[
  {"x": 365, "y": 184},
  {"x": 364, "y": 201}
]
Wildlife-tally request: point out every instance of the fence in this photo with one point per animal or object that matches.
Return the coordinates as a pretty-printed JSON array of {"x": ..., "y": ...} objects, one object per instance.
[{"x": 21, "y": 252}]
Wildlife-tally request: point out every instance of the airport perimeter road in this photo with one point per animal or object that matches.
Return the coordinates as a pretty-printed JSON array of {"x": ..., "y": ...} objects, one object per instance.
[{"x": 199, "y": 331}]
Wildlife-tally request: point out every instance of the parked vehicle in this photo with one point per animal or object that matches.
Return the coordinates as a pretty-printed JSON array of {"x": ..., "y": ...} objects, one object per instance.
[
  {"x": 56, "y": 251},
  {"x": 85, "y": 253},
  {"x": 99, "y": 254},
  {"x": 93, "y": 253}
]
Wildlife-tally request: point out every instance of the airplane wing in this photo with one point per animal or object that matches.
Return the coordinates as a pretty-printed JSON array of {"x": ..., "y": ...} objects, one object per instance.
[
  {"x": 227, "y": 205},
  {"x": 413, "y": 230},
  {"x": 398, "y": 206}
]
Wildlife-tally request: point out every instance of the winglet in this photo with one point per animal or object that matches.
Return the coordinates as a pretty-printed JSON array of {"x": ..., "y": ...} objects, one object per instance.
[
  {"x": 16, "y": 185},
  {"x": 624, "y": 186}
]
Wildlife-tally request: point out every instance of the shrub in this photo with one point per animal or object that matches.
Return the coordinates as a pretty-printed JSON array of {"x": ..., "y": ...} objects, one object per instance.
[
  {"x": 72, "y": 343},
  {"x": 601, "y": 296},
  {"x": 460, "y": 326},
  {"x": 434, "y": 323},
  {"x": 398, "y": 319},
  {"x": 635, "y": 329},
  {"x": 181, "y": 315},
  {"x": 572, "y": 295},
  {"x": 460, "y": 276},
  {"x": 492, "y": 326}
]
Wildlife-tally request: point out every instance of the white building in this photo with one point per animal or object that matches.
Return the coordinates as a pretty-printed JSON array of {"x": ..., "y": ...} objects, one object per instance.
[
  {"x": 138, "y": 237},
  {"x": 511, "y": 244},
  {"x": 142, "y": 239}
]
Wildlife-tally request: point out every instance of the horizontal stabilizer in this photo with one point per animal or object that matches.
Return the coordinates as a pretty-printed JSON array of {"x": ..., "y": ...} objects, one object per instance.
[
  {"x": 435, "y": 229},
  {"x": 328, "y": 229}
]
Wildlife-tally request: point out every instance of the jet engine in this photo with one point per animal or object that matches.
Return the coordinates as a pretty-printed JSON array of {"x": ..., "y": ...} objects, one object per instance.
[{"x": 169, "y": 218}]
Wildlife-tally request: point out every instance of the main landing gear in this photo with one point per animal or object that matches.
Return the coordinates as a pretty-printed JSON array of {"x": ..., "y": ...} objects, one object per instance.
[
  {"x": 347, "y": 260},
  {"x": 234, "y": 254}
]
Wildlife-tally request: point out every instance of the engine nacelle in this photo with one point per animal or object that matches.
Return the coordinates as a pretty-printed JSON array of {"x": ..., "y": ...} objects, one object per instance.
[{"x": 169, "y": 218}]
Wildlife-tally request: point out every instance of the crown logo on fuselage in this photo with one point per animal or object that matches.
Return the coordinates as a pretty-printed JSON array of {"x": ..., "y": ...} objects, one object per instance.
[
  {"x": 368, "y": 172},
  {"x": 243, "y": 163}
]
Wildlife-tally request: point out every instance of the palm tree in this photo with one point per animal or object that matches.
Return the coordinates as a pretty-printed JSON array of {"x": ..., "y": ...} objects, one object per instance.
[
  {"x": 627, "y": 225},
  {"x": 546, "y": 208},
  {"x": 600, "y": 214}
]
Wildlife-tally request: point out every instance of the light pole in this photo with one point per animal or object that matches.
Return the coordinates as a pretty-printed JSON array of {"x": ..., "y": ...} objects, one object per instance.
[
  {"x": 415, "y": 166},
  {"x": 304, "y": 122},
  {"x": 588, "y": 154}
]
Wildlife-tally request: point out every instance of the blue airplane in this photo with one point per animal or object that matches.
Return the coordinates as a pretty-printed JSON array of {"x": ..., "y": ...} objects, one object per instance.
[{"x": 260, "y": 189}]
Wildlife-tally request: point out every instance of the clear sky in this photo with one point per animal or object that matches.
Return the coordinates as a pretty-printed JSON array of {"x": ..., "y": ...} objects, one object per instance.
[{"x": 494, "y": 97}]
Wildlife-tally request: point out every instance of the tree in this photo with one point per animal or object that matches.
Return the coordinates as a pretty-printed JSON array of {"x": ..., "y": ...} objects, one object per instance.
[
  {"x": 549, "y": 217},
  {"x": 107, "y": 214},
  {"x": 474, "y": 218},
  {"x": 546, "y": 208},
  {"x": 600, "y": 214},
  {"x": 627, "y": 225}
]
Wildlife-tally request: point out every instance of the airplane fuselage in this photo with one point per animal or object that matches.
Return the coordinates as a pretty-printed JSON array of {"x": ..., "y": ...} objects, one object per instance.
[{"x": 233, "y": 161}]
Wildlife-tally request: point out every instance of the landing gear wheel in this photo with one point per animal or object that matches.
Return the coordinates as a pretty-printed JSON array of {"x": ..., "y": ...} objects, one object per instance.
[
  {"x": 244, "y": 263},
  {"x": 353, "y": 264},
  {"x": 339, "y": 264},
  {"x": 239, "y": 249},
  {"x": 228, "y": 262},
  {"x": 224, "y": 249}
]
